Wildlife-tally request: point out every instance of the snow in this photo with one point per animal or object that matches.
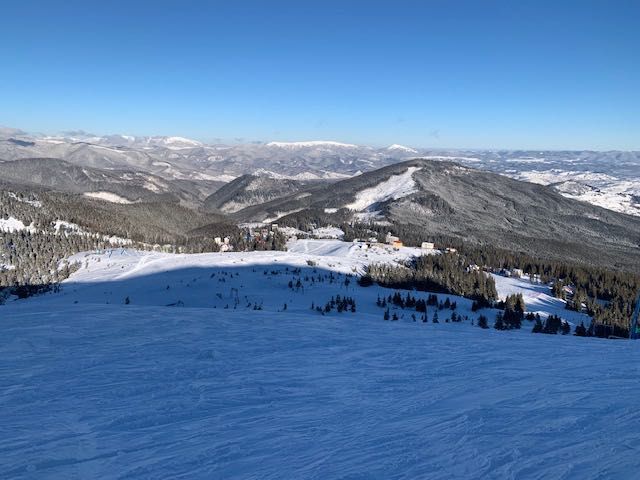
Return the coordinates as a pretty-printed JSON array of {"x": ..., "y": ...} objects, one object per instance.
[
  {"x": 97, "y": 390},
  {"x": 63, "y": 225},
  {"x": 314, "y": 143},
  {"x": 107, "y": 196},
  {"x": 216, "y": 178},
  {"x": 279, "y": 214},
  {"x": 538, "y": 299},
  {"x": 395, "y": 187},
  {"x": 598, "y": 188},
  {"x": 401, "y": 148},
  {"x": 181, "y": 140},
  {"x": 328, "y": 232},
  {"x": 12, "y": 224},
  {"x": 69, "y": 228},
  {"x": 33, "y": 203}
]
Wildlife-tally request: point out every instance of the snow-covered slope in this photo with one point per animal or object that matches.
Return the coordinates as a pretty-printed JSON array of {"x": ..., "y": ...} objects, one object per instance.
[
  {"x": 395, "y": 187},
  {"x": 97, "y": 390},
  {"x": 401, "y": 148},
  {"x": 596, "y": 188}
]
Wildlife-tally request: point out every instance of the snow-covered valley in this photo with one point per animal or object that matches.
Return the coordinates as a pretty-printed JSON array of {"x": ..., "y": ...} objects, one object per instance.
[{"x": 152, "y": 365}]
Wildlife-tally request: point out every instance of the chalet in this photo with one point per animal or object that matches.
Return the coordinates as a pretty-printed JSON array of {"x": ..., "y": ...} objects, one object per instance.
[{"x": 396, "y": 244}]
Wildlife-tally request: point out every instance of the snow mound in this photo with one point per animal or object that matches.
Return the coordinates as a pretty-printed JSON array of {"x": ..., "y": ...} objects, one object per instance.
[{"x": 395, "y": 187}]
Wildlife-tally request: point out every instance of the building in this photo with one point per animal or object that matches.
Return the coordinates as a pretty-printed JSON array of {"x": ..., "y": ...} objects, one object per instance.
[
  {"x": 389, "y": 239},
  {"x": 427, "y": 246},
  {"x": 397, "y": 244}
]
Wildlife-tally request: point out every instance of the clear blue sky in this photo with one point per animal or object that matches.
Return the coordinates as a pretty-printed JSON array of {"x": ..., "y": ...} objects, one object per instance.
[{"x": 511, "y": 74}]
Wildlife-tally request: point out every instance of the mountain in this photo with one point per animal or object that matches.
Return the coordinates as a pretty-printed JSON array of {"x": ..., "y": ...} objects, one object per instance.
[
  {"x": 615, "y": 175},
  {"x": 182, "y": 158},
  {"x": 120, "y": 186},
  {"x": 249, "y": 190},
  {"x": 444, "y": 198}
]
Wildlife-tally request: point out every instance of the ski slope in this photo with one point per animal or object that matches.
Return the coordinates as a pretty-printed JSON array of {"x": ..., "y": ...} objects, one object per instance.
[
  {"x": 395, "y": 187},
  {"x": 91, "y": 387}
]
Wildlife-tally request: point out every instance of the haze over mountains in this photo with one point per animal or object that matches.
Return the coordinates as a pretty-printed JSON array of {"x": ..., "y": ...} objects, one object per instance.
[{"x": 607, "y": 179}]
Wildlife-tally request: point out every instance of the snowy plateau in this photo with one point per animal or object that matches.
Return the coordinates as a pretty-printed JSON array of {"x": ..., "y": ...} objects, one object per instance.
[{"x": 151, "y": 365}]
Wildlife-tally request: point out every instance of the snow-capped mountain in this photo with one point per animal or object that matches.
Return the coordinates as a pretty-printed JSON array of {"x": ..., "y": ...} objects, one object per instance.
[
  {"x": 401, "y": 148},
  {"x": 607, "y": 179},
  {"x": 311, "y": 144}
]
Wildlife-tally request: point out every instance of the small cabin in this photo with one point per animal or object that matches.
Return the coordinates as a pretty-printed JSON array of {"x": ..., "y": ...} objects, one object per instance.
[
  {"x": 396, "y": 244},
  {"x": 427, "y": 246}
]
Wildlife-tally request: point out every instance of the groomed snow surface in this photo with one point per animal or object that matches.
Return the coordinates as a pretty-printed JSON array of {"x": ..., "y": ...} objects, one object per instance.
[
  {"x": 396, "y": 186},
  {"x": 93, "y": 388}
]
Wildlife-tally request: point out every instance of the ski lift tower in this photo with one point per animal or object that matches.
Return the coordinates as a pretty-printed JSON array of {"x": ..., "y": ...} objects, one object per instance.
[{"x": 634, "y": 331}]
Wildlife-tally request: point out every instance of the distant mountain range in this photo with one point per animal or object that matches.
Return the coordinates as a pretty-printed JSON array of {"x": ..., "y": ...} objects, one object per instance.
[
  {"x": 178, "y": 186},
  {"x": 607, "y": 179}
]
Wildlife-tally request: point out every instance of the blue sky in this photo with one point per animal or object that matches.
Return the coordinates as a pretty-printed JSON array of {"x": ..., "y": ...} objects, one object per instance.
[{"x": 483, "y": 74}]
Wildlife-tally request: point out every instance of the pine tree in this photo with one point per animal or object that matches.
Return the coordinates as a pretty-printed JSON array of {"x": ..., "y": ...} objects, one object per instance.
[{"x": 537, "y": 327}]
